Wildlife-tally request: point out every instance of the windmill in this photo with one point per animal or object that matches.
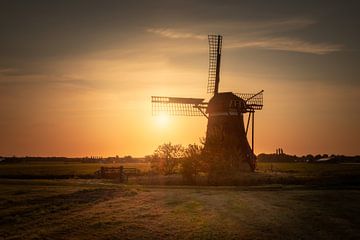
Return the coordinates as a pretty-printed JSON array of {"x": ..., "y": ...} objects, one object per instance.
[{"x": 225, "y": 111}]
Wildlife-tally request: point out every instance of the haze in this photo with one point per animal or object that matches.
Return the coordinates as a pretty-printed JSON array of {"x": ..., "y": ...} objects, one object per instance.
[{"x": 76, "y": 76}]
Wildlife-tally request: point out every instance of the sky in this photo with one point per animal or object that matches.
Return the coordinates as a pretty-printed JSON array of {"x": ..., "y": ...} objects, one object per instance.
[{"x": 76, "y": 77}]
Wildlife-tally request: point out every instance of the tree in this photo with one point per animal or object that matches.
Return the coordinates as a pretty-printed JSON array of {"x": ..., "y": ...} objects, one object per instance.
[
  {"x": 166, "y": 158},
  {"x": 192, "y": 163}
]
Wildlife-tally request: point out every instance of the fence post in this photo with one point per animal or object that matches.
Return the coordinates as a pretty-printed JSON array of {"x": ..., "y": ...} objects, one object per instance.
[
  {"x": 121, "y": 174},
  {"x": 102, "y": 172}
]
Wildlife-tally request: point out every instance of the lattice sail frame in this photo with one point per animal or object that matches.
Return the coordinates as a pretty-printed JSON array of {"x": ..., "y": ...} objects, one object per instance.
[
  {"x": 215, "y": 43},
  {"x": 254, "y": 101},
  {"x": 175, "y": 106}
]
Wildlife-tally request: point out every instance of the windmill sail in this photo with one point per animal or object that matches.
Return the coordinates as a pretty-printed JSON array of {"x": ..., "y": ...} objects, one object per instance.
[
  {"x": 215, "y": 42},
  {"x": 176, "y": 106}
]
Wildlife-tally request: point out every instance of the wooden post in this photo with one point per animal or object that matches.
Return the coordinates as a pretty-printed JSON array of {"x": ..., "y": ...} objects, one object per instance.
[
  {"x": 102, "y": 172},
  {"x": 252, "y": 132},
  {"x": 121, "y": 174}
]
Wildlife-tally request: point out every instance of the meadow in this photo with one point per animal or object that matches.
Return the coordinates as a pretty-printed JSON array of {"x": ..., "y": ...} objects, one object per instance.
[
  {"x": 101, "y": 209},
  {"x": 266, "y": 173},
  {"x": 279, "y": 201},
  {"x": 49, "y": 170}
]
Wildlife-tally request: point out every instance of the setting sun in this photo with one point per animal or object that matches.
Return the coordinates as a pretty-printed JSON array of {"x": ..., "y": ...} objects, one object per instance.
[
  {"x": 162, "y": 120},
  {"x": 179, "y": 119}
]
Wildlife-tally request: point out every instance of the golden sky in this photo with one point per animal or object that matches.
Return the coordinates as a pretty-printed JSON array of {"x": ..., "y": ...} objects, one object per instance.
[{"x": 76, "y": 78}]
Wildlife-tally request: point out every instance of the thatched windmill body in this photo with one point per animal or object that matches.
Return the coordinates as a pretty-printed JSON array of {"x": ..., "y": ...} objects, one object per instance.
[{"x": 226, "y": 134}]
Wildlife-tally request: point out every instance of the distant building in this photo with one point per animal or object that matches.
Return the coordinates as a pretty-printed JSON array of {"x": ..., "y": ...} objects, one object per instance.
[{"x": 327, "y": 160}]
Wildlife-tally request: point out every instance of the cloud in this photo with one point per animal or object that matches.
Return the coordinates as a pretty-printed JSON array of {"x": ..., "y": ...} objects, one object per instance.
[
  {"x": 256, "y": 34},
  {"x": 234, "y": 27},
  {"x": 277, "y": 25},
  {"x": 288, "y": 44},
  {"x": 170, "y": 33},
  {"x": 259, "y": 27},
  {"x": 44, "y": 81}
]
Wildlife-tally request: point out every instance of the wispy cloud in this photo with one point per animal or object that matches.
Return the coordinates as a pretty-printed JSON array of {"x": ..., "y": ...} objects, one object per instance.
[
  {"x": 280, "y": 25},
  {"x": 257, "y": 34},
  {"x": 170, "y": 33},
  {"x": 288, "y": 44},
  {"x": 43, "y": 81}
]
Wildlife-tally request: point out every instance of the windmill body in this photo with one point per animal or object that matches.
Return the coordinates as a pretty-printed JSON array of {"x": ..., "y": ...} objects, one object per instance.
[{"x": 226, "y": 134}]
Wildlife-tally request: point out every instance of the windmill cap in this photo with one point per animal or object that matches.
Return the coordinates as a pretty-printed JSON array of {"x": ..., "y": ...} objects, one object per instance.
[{"x": 224, "y": 102}]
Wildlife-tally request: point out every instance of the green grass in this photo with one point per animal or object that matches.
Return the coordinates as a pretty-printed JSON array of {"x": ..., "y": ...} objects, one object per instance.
[
  {"x": 309, "y": 168},
  {"x": 267, "y": 173},
  {"x": 58, "y": 170},
  {"x": 96, "y": 209},
  {"x": 272, "y": 173}
]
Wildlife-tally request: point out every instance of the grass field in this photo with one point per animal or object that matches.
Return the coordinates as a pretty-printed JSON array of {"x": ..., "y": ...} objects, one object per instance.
[
  {"x": 45, "y": 170},
  {"x": 278, "y": 201},
  {"x": 96, "y": 209},
  {"x": 267, "y": 173}
]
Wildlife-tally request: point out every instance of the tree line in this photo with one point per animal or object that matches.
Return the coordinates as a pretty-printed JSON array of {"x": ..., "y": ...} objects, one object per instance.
[{"x": 193, "y": 161}]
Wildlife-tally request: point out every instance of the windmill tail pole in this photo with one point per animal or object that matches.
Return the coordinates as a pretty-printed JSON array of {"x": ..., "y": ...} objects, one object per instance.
[
  {"x": 252, "y": 132},
  {"x": 254, "y": 95}
]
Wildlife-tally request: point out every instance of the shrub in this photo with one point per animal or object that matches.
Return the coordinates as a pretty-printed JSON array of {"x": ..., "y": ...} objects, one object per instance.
[
  {"x": 166, "y": 158},
  {"x": 192, "y": 163}
]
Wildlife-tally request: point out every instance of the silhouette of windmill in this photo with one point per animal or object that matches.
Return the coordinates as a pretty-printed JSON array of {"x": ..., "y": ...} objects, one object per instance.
[{"x": 226, "y": 131}]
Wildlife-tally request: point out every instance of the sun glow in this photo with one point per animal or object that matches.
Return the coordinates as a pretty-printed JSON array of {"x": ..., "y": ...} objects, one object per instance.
[{"x": 162, "y": 120}]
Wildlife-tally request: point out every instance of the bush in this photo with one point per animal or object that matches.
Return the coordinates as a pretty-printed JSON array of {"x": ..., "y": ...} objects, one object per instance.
[
  {"x": 166, "y": 158},
  {"x": 192, "y": 163}
]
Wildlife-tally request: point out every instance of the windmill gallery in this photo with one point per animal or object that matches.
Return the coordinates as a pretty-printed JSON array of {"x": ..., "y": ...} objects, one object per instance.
[{"x": 226, "y": 134}]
